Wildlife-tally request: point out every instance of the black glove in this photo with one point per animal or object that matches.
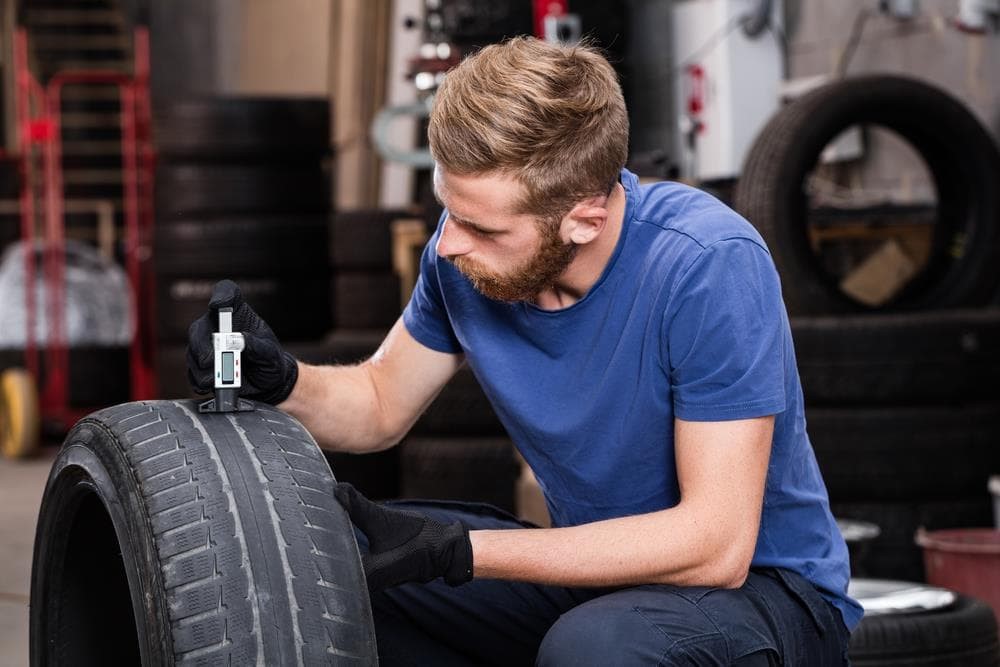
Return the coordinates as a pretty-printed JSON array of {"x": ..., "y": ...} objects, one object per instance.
[
  {"x": 269, "y": 373},
  {"x": 405, "y": 546}
]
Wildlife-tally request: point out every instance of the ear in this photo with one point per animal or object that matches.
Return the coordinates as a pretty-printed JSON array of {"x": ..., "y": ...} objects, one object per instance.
[{"x": 585, "y": 221}]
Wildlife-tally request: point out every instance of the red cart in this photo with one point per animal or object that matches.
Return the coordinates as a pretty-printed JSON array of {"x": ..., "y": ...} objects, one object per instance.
[{"x": 39, "y": 394}]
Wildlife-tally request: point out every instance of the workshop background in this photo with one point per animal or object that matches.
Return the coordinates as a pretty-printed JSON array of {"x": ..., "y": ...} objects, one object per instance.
[{"x": 153, "y": 148}]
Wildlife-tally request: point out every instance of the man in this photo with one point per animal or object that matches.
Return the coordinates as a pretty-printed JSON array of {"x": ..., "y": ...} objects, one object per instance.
[{"x": 634, "y": 344}]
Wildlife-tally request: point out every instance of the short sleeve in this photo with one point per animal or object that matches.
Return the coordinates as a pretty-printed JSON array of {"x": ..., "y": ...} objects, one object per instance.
[
  {"x": 425, "y": 315},
  {"x": 725, "y": 335}
]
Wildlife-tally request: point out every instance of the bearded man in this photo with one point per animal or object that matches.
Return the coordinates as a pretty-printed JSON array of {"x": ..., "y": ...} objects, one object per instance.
[{"x": 633, "y": 341}]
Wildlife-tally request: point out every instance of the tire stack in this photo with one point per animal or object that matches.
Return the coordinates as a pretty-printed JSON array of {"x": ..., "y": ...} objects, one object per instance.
[
  {"x": 242, "y": 192},
  {"x": 902, "y": 400},
  {"x": 364, "y": 287},
  {"x": 457, "y": 450}
]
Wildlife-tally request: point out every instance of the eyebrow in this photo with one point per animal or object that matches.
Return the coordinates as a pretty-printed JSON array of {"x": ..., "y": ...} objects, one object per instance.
[{"x": 473, "y": 225}]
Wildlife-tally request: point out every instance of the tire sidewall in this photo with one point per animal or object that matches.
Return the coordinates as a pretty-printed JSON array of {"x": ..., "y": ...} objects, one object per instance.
[
  {"x": 81, "y": 468},
  {"x": 787, "y": 150}
]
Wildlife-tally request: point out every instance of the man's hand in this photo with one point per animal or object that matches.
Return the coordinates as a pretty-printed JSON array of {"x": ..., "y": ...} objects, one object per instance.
[
  {"x": 405, "y": 546},
  {"x": 269, "y": 373}
]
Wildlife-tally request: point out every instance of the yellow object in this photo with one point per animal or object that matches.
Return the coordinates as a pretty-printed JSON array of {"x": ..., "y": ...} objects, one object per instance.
[{"x": 19, "y": 419}]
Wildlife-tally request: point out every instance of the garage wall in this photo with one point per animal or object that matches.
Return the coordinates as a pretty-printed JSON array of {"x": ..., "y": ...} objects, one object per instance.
[
  {"x": 928, "y": 47},
  {"x": 266, "y": 47},
  {"x": 283, "y": 48}
]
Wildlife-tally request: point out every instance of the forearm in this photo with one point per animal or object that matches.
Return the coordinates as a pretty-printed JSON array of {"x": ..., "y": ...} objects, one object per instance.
[
  {"x": 672, "y": 546},
  {"x": 340, "y": 407}
]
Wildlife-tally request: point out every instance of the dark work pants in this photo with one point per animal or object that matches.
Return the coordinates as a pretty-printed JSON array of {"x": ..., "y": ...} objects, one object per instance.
[{"x": 775, "y": 618}]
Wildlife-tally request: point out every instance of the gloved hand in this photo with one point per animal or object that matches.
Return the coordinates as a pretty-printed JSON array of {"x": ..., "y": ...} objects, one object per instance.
[
  {"x": 269, "y": 373},
  {"x": 405, "y": 546}
]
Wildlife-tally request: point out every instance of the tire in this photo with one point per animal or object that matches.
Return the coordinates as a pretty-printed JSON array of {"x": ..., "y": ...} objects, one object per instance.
[
  {"x": 964, "y": 268},
  {"x": 941, "y": 357},
  {"x": 296, "y": 307},
  {"x": 894, "y": 554},
  {"x": 366, "y": 300},
  {"x": 246, "y": 245},
  {"x": 240, "y": 189},
  {"x": 963, "y": 634},
  {"x": 469, "y": 469},
  {"x": 362, "y": 240},
  {"x": 170, "y": 537},
  {"x": 244, "y": 127},
  {"x": 20, "y": 419},
  {"x": 904, "y": 454},
  {"x": 461, "y": 409}
]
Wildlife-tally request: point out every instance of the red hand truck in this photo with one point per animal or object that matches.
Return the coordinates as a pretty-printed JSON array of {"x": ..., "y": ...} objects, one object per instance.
[{"x": 39, "y": 395}]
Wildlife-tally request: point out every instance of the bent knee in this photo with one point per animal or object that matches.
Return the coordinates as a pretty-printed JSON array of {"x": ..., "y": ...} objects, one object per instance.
[{"x": 625, "y": 636}]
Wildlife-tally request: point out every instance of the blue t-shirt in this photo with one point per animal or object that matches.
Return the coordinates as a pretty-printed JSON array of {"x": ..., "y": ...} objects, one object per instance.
[{"x": 685, "y": 321}]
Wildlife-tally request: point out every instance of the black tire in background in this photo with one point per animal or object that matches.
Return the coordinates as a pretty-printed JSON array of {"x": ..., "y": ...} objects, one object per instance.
[
  {"x": 242, "y": 245},
  {"x": 191, "y": 189},
  {"x": 906, "y": 454},
  {"x": 469, "y": 469},
  {"x": 244, "y": 127},
  {"x": 461, "y": 409},
  {"x": 361, "y": 240},
  {"x": 365, "y": 299},
  {"x": 935, "y": 357},
  {"x": 964, "y": 268},
  {"x": 170, "y": 537},
  {"x": 964, "y": 634},
  {"x": 295, "y": 306}
]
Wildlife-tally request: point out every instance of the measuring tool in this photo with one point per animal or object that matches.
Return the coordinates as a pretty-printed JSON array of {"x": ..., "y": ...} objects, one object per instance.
[{"x": 228, "y": 345}]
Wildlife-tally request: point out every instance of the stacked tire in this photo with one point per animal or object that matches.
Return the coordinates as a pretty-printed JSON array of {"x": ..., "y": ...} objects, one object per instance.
[
  {"x": 902, "y": 406},
  {"x": 364, "y": 285},
  {"x": 242, "y": 192}
]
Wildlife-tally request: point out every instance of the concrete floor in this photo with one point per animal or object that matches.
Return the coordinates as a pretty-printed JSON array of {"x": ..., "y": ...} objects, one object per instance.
[{"x": 21, "y": 486}]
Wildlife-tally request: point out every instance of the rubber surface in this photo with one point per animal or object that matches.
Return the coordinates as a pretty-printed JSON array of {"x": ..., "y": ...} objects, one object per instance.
[
  {"x": 362, "y": 239},
  {"x": 931, "y": 357},
  {"x": 906, "y": 454},
  {"x": 365, "y": 299},
  {"x": 471, "y": 469},
  {"x": 242, "y": 245},
  {"x": 961, "y": 155},
  {"x": 232, "y": 545},
  {"x": 961, "y": 635},
  {"x": 231, "y": 189},
  {"x": 207, "y": 128},
  {"x": 461, "y": 409}
]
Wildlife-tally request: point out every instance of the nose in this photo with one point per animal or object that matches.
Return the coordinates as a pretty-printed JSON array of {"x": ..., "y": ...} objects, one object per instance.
[{"x": 452, "y": 242}]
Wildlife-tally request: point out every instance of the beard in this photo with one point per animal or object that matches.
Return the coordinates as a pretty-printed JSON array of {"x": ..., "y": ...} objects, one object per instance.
[{"x": 525, "y": 282}]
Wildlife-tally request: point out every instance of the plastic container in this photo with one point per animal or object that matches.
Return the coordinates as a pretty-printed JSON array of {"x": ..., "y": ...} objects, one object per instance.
[
  {"x": 994, "y": 487},
  {"x": 966, "y": 560}
]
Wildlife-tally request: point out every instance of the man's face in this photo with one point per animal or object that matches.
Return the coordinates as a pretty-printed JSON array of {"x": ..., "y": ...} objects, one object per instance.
[{"x": 507, "y": 256}]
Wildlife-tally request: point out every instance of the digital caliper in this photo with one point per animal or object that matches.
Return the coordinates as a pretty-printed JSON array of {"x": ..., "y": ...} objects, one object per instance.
[{"x": 228, "y": 374}]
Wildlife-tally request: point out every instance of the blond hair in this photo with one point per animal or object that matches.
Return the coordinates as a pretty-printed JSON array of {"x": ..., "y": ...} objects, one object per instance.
[{"x": 551, "y": 116}]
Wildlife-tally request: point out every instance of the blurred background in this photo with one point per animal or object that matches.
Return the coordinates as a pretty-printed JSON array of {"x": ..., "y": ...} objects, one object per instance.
[{"x": 151, "y": 148}]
